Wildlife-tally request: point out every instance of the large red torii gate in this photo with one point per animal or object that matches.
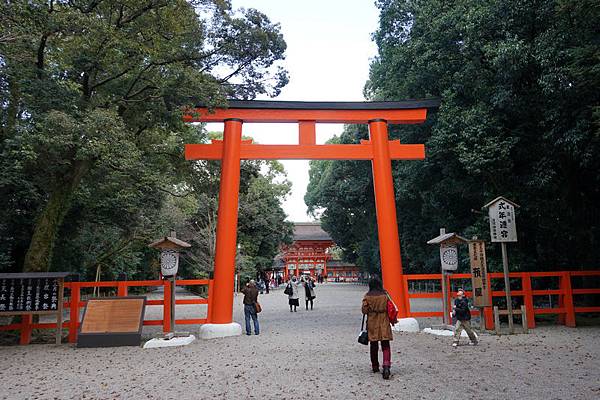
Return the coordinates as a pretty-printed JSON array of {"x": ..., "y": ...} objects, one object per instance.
[{"x": 379, "y": 149}]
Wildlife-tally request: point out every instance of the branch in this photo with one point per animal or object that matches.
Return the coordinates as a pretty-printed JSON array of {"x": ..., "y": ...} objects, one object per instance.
[
  {"x": 241, "y": 67},
  {"x": 112, "y": 78},
  {"x": 40, "y": 54},
  {"x": 175, "y": 195},
  {"x": 140, "y": 12}
]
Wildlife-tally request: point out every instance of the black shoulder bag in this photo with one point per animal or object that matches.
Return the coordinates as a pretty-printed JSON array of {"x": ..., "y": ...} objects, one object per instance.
[{"x": 363, "y": 337}]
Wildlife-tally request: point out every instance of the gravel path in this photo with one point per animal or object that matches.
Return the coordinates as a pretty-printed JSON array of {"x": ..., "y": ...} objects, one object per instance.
[{"x": 312, "y": 354}]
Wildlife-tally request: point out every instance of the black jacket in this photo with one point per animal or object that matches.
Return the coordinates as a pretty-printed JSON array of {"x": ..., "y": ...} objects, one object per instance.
[{"x": 461, "y": 311}]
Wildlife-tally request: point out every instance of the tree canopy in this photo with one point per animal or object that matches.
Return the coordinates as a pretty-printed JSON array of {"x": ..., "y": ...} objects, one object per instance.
[
  {"x": 91, "y": 140},
  {"x": 519, "y": 84}
]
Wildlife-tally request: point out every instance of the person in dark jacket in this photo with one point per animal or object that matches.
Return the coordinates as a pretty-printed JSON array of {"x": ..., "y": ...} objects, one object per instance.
[
  {"x": 463, "y": 318},
  {"x": 374, "y": 304},
  {"x": 309, "y": 292},
  {"x": 250, "y": 298}
]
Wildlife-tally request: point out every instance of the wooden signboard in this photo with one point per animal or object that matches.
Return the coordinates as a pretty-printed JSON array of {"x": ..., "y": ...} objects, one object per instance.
[
  {"x": 35, "y": 293},
  {"x": 479, "y": 273},
  {"x": 112, "y": 321},
  {"x": 503, "y": 226}
]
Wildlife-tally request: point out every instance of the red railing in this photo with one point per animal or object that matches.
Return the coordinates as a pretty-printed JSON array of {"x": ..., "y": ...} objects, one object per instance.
[
  {"x": 74, "y": 303},
  {"x": 565, "y": 308}
]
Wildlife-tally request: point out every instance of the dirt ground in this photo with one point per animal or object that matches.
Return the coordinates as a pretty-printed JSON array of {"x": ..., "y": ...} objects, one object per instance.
[{"x": 312, "y": 354}]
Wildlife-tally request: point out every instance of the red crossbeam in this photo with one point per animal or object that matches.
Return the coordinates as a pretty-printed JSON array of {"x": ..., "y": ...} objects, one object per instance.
[
  {"x": 249, "y": 151},
  {"x": 408, "y": 116}
]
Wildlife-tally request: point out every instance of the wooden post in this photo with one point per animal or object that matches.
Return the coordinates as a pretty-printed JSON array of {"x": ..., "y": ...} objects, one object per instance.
[
  {"x": 565, "y": 285},
  {"x": 528, "y": 297},
  {"x": 406, "y": 297},
  {"x": 74, "y": 312},
  {"x": 209, "y": 304},
  {"x": 445, "y": 300},
  {"x": 166, "y": 306},
  {"x": 121, "y": 289},
  {"x": 59, "y": 315},
  {"x": 497, "y": 320},
  {"x": 489, "y": 316},
  {"x": 507, "y": 288},
  {"x": 173, "y": 301},
  {"x": 524, "y": 319},
  {"x": 26, "y": 321}
]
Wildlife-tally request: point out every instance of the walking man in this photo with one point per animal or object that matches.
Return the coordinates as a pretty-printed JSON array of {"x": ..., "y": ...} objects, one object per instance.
[
  {"x": 250, "y": 298},
  {"x": 463, "y": 318}
]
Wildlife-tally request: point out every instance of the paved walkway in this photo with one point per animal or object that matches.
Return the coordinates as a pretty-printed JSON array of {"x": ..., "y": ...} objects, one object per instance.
[{"x": 312, "y": 354}]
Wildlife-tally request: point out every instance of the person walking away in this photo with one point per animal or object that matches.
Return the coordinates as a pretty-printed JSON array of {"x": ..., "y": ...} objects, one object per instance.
[
  {"x": 309, "y": 292},
  {"x": 463, "y": 318},
  {"x": 267, "y": 280},
  {"x": 293, "y": 299},
  {"x": 250, "y": 298},
  {"x": 374, "y": 305}
]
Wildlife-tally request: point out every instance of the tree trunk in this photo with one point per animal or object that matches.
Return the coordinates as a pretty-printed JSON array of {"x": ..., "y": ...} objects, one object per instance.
[{"x": 39, "y": 254}]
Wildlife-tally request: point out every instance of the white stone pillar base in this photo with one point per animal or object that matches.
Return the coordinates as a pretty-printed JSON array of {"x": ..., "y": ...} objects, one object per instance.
[
  {"x": 213, "y": 331},
  {"x": 406, "y": 325}
]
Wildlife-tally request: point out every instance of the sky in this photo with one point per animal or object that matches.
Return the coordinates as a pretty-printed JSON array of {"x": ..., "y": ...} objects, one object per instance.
[{"x": 328, "y": 53}]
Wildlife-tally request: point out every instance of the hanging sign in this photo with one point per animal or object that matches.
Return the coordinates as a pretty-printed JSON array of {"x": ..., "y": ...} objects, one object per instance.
[
  {"x": 503, "y": 227},
  {"x": 449, "y": 257},
  {"x": 169, "y": 262},
  {"x": 479, "y": 273}
]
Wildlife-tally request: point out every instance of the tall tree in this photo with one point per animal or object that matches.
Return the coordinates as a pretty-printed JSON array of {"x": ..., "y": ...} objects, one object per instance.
[
  {"x": 91, "y": 86},
  {"x": 520, "y": 89}
]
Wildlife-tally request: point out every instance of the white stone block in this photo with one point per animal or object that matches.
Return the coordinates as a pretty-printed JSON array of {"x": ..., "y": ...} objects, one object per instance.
[
  {"x": 176, "y": 341},
  {"x": 213, "y": 331},
  {"x": 406, "y": 325},
  {"x": 447, "y": 332}
]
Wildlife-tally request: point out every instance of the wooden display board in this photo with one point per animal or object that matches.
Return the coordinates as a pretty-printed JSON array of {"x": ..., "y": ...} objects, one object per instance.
[{"x": 112, "y": 321}]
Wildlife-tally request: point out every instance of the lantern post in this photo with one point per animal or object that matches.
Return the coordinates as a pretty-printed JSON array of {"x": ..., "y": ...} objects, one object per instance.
[
  {"x": 170, "y": 247},
  {"x": 449, "y": 262}
]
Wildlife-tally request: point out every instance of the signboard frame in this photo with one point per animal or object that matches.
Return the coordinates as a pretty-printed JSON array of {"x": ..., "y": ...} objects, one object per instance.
[
  {"x": 112, "y": 338},
  {"x": 59, "y": 277}
]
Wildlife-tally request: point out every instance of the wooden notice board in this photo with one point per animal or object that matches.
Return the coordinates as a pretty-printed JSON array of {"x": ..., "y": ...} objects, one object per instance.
[
  {"x": 33, "y": 293},
  {"x": 112, "y": 321}
]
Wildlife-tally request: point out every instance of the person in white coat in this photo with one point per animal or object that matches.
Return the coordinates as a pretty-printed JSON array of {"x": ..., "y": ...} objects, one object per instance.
[{"x": 293, "y": 299}]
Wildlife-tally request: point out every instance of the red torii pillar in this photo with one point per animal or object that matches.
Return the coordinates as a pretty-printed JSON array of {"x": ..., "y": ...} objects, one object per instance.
[
  {"x": 232, "y": 149},
  {"x": 387, "y": 225}
]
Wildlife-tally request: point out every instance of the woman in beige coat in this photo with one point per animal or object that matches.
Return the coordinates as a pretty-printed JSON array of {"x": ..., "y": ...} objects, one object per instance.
[{"x": 374, "y": 304}]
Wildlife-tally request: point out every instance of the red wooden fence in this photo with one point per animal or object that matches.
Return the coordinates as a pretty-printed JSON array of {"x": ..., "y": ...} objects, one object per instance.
[
  {"x": 565, "y": 308},
  {"x": 74, "y": 304}
]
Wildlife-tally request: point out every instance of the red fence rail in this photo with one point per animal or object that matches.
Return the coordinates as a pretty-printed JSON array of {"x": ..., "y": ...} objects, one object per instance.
[
  {"x": 565, "y": 308},
  {"x": 74, "y": 303}
]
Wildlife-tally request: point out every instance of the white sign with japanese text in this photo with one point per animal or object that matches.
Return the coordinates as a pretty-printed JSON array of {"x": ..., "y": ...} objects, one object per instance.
[{"x": 503, "y": 227}]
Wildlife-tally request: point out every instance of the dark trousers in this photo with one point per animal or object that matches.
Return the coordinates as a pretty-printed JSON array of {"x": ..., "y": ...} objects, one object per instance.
[
  {"x": 250, "y": 312},
  {"x": 387, "y": 353},
  {"x": 311, "y": 304}
]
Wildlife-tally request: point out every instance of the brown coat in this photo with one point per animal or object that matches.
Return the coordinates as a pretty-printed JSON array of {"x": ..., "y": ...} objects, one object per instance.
[
  {"x": 378, "y": 323},
  {"x": 250, "y": 294}
]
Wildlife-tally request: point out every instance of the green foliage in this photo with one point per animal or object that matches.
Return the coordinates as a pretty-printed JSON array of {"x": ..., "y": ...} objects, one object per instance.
[
  {"x": 520, "y": 90},
  {"x": 91, "y": 135}
]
